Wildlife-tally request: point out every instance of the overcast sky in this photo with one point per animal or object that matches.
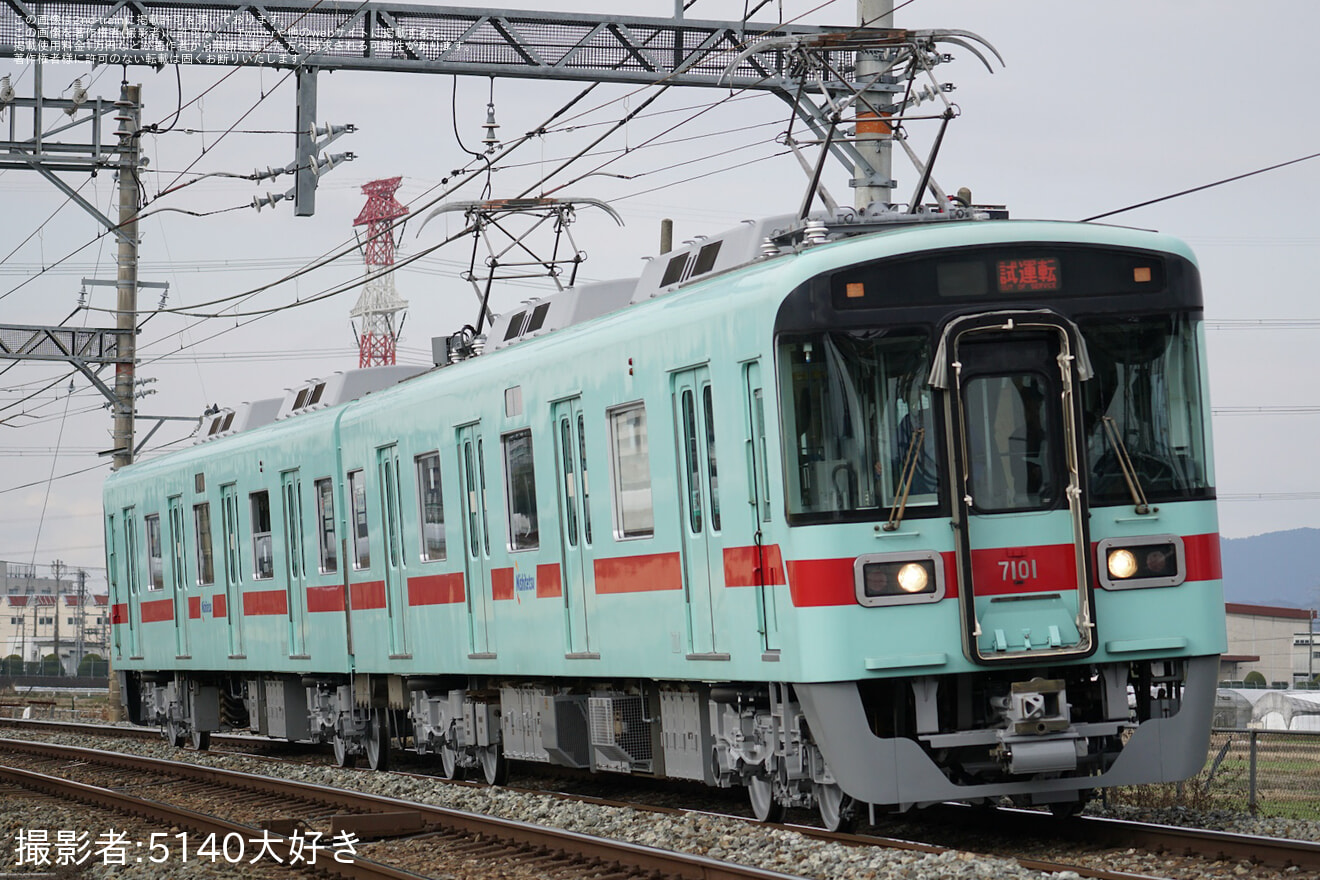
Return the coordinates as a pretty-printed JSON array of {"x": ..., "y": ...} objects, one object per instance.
[{"x": 1100, "y": 106}]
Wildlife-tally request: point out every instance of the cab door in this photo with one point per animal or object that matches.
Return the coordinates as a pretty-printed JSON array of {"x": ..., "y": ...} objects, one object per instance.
[
  {"x": 758, "y": 498},
  {"x": 1024, "y": 564},
  {"x": 699, "y": 504},
  {"x": 476, "y": 539},
  {"x": 576, "y": 578}
]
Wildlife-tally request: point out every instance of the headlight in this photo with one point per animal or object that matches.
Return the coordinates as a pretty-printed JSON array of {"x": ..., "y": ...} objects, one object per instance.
[
  {"x": 1122, "y": 564},
  {"x": 912, "y": 578},
  {"x": 898, "y": 578},
  {"x": 1155, "y": 561}
]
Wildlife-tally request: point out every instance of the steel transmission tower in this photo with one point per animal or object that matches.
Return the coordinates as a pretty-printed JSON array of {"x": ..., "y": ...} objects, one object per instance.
[{"x": 378, "y": 304}]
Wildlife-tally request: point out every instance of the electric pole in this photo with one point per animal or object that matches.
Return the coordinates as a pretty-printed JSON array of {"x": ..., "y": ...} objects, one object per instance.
[
  {"x": 57, "y": 569},
  {"x": 127, "y": 114},
  {"x": 874, "y": 135}
]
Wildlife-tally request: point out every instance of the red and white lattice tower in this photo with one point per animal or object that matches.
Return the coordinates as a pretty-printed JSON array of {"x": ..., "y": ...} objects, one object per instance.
[{"x": 378, "y": 304}]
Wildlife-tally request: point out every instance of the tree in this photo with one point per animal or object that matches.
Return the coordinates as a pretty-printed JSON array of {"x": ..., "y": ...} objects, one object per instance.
[
  {"x": 50, "y": 665},
  {"x": 92, "y": 666},
  {"x": 1255, "y": 679},
  {"x": 11, "y": 665}
]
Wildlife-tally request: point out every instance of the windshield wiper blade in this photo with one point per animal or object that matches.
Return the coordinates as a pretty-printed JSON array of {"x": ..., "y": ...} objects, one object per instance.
[
  {"x": 1125, "y": 464},
  {"x": 906, "y": 475}
]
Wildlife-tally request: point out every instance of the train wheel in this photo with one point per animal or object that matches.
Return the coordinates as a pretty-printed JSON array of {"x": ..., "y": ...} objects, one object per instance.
[
  {"x": 449, "y": 762},
  {"x": 493, "y": 765},
  {"x": 342, "y": 756},
  {"x": 378, "y": 740},
  {"x": 1069, "y": 809},
  {"x": 838, "y": 812},
  {"x": 201, "y": 739},
  {"x": 761, "y": 792},
  {"x": 175, "y": 734}
]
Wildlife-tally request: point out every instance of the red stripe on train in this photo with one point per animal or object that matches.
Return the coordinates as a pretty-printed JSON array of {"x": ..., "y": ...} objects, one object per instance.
[
  {"x": 264, "y": 602},
  {"x": 436, "y": 589},
  {"x": 195, "y": 607},
  {"x": 827, "y": 582},
  {"x": 501, "y": 584},
  {"x": 329, "y": 598},
  {"x": 158, "y": 610},
  {"x": 368, "y": 595},
  {"x": 743, "y": 566},
  {"x": 549, "y": 585},
  {"x": 639, "y": 574},
  {"x": 219, "y": 607}
]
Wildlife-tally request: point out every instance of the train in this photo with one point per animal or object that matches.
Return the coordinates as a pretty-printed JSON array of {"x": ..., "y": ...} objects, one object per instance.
[{"x": 929, "y": 516}]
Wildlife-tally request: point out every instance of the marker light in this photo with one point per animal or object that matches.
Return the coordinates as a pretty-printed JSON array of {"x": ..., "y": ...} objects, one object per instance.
[
  {"x": 912, "y": 578},
  {"x": 1122, "y": 564}
]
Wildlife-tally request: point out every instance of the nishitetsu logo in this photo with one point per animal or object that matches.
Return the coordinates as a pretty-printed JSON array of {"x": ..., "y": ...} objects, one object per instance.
[{"x": 523, "y": 583}]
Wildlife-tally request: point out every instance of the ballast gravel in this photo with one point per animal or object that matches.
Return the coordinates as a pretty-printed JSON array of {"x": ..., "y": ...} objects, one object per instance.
[{"x": 717, "y": 837}]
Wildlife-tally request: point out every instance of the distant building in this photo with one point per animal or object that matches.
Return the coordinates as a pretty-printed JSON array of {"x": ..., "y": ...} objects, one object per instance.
[
  {"x": 1264, "y": 639},
  {"x": 29, "y": 625},
  {"x": 17, "y": 578}
]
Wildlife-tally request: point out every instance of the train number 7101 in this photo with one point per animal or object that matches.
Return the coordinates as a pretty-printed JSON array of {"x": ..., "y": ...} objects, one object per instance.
[{"x": 1017, "y": 569}]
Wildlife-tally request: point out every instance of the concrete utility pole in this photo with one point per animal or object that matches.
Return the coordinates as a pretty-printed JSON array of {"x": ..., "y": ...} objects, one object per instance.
[
  {"x": 874, "y": 136},
  {"x": 128, "y": 111},
  {"x": 57, "y": 569}
]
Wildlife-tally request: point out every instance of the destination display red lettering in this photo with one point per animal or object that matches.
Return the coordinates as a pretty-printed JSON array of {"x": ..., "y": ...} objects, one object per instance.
[{"x": 1028, "y": 275}]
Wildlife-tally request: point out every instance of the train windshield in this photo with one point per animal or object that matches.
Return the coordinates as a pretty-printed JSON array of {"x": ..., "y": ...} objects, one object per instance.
[
  {"x": 856, "y": 406},
  {"x": 1148, "y": 383}
]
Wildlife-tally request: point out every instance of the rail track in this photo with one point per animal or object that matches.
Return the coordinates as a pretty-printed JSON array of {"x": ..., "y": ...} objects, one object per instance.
[
  {"x": 349, "y": 819},
  {"x": 1001, "y": 825}
]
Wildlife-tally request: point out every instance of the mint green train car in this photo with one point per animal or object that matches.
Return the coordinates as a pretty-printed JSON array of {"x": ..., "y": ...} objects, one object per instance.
[{"x": 846, "y": 512}]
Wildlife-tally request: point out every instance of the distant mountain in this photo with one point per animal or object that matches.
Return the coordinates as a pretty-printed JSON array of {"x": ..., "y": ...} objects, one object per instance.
[{"x": 1277, "y": 568}]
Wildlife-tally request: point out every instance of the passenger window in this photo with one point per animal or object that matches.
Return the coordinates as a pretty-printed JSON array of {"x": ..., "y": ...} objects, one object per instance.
[
  {"x": 205, "y": 558},
  {"x": 432, "y": 506},
  {"x": 357, "y": 488},
  {"x": 155, "y": 562},
  {"x": 263, "y": 556},
  {"x": 524, "y": 533},
  {"x": 631, "y": 467},
  {"x": 325, "y": 524}
]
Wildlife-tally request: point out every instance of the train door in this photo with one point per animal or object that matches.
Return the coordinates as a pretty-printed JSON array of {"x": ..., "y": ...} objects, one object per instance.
[
  {"x": 396, "y": 575},
  {"x": 476, "y": 538},
  {"x": 1024, "y": 560},
  {"x": 758, "y": 497},
  {"x": 178, "y": 577},
  {"x": 295, "y": 572},
  {"x": 134, "y": 583},
  {"x": 233, "y": 573},
  {"x": 574, "y": 524},
  {"x": 699, "y": 503}
]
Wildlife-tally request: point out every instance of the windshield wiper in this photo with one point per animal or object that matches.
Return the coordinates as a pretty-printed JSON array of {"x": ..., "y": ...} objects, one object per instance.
[
  {"x": 1125, "y": 464},
  {"x": 906, "y": 475}
]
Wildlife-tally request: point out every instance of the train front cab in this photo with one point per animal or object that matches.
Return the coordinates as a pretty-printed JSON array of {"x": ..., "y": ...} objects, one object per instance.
[{"x": 1024, "y": 428}]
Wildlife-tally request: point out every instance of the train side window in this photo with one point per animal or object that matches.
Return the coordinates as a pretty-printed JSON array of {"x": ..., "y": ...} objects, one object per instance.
[
  {"x": 357, "y": 488},
  {"x": 630, "y": 463},
  {"x": 325, "y": 524},
  {"x": 524, "y": 533},
  {"x": 432, "y": 506},
  {"x": 205, "y": 557},
  {"x": 263, "y": 556},
  {"x": 155, "y": 559}
]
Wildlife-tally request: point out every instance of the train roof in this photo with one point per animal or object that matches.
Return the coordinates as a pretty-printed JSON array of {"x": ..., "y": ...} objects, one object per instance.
[{"x": 751, "y": 243}]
